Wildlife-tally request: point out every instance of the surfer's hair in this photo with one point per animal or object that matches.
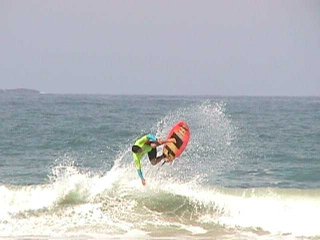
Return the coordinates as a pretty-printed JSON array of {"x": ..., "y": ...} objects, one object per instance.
[{"x": 136, "y": 149}]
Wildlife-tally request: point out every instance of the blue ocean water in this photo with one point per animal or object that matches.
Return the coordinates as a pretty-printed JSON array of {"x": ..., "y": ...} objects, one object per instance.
[{"x": 251, "y": 169}]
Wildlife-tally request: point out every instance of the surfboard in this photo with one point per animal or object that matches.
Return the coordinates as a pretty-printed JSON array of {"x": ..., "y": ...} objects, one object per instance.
[{"x": 181, "y": 132}]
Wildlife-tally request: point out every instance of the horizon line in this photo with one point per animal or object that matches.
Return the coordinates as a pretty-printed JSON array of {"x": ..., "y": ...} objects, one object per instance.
[{"x": 36, "y": 91}]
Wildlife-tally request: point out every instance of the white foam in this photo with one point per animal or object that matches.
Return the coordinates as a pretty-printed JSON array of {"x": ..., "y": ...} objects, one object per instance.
[
  {"x": 27, "y": 198},
  {"x": 193, "y": 229},
  {"x": 292, "y": 214},
  {"x": 279, "y": 212}
]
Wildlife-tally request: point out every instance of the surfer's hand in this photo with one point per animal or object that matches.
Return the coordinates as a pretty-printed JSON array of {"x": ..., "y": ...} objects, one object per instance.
[
  {"x": 143, "y": 181},
  {"x": 172, "y": 140}
]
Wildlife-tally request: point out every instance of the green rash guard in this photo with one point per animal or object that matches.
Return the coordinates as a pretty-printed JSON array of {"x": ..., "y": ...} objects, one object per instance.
[{"x": 141, "y": 142}]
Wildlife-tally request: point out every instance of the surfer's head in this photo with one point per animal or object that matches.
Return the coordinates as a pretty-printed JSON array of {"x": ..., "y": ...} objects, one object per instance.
[{"x": 136, "y": 149}]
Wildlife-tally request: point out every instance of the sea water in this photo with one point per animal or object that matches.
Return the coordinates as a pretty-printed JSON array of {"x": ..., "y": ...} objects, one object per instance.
[{"x": 250, "y": 171}]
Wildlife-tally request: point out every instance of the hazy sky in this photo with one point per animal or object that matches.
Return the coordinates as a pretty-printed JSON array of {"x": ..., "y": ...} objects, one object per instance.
[{"x": 161, "y": 47}]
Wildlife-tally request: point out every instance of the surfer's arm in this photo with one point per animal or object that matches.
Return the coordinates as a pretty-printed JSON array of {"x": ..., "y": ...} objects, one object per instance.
[
  {"x": 171, "y": 140},
  {"x": 160, "y": 142},
  {"x": 140, "y": 174},
  {"x": 137, "y": 162}
]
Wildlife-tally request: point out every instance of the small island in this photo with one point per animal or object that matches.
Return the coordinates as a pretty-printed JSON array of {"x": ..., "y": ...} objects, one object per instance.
[{"x": 20, "y": 91}]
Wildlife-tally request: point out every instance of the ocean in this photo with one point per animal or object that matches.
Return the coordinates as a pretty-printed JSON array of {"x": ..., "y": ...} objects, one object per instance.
[{"x": 250, "y": 171}]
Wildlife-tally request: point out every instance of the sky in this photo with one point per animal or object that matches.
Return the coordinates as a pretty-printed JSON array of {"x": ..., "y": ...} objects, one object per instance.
[{"x": 161, "y": 47}]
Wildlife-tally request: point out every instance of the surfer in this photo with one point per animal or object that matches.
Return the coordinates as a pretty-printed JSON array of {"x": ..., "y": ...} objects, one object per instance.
[{"x": 147, "y": 144}]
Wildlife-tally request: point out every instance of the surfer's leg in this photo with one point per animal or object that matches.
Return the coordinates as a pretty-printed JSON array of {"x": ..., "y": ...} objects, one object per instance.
[
  {"x": 153, "y": 157},
  {"x": 155, "y": 161},
  {"x": 160, "y": 158}
]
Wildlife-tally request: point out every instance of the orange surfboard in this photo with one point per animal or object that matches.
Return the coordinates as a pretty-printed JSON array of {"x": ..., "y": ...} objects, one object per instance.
[{"x": 181, "y": 132}]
